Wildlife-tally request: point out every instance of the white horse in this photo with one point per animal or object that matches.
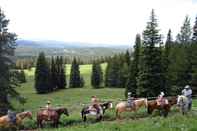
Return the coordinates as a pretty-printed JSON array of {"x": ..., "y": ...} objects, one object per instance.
[{"x": 183, "y": 103}]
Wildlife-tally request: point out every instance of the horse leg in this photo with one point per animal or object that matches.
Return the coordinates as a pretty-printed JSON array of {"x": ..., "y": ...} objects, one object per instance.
[
  {"x": 117, "y": 114},
  {"x": 39, "y": 123},
  {"x": 55, "y": 123},
  {"x": 84, "y": 118}
]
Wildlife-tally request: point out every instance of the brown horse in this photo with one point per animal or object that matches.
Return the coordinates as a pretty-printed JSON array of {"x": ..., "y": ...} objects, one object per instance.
[
  {"x": 5, "y": 122},
  {"x": 51, "y": 115},
  {"x": 122, "y": 106},
  {"x": 165, "y": 108}
]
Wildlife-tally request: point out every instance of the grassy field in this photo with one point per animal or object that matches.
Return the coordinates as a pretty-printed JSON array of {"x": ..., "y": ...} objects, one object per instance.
[{"x": 75, "y": 99}]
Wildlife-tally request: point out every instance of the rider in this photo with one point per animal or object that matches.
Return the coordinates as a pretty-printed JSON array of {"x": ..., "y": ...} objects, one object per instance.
[
  {"x": 95, "y": 103},
  {"x": 187, "y": 91},
  {"x": 160, "y": 99},
  {"x": 11, "y": 116},
  {"x": 130, "y": 100},
  {"x": 48, "y": 105}
]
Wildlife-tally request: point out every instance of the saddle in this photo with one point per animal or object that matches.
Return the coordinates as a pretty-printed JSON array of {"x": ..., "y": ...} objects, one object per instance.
[
  {"x": 162, "y": 102},
  {"x": 47, "y": 112},
  {"x": 12, "y": 119},
  {"x": 130, "y": 105},
  {"x": 95, "y": 107}
]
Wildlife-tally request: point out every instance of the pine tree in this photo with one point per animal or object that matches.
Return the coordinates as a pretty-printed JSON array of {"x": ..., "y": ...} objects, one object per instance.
[
  {"x": 123, "y": 75},
  {"x": 166, "y": 63},
  {"x": 62, "y": 75},
  {"x": 134, "y": 68},
  {"x": 22, "y": 77},
  {"x": 114, "y": 73},
  {"x": 194, "y": 56},
  {"x": 57, "y": 71},
  {"x": 107, "y": 72},
  {"x": 42, "y": 75},
  {"x": 75, "y": 78},
  {"x": 185, "y": 74},
  {"x": 97, "y": 75},
  {"x": 194, "y": 37},
  {"x": 184, "y": 36},
  {"x": 150, "y": 75},
  {"x": 7, "y": 78},
  {"x": 127, "y": 57},
  {"x": 53, "y": 74}
]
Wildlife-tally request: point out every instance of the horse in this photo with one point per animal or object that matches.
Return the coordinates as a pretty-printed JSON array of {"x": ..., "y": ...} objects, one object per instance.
[
  {"x": 88, "y": 111},
  {"x": 123, "y": 106},
  {"x": 163, "y": 108},
  {"x": 172, "y": 100},
  {"x": 5, "y": 122},
  {"x": 183, "y": 103},
  {"x": 106, "y": 105},
  {"x": 52, "y": 115}
]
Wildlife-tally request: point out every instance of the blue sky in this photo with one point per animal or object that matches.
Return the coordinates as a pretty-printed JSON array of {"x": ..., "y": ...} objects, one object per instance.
[{"x": 93, "y": 21}]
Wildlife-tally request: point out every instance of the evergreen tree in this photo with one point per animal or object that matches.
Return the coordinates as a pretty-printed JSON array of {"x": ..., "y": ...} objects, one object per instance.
[
  {"x": 21, "y": 76},
  {"x": 194, "y": 56},
  {"x": 166, "y": 62},
  {"x": 7, "y": 78},
  {"x": 150, "y": 76},
  {"x": 62, "y": 75},
  {"x": 57, "y": 71},
  {"x": 127, "y": 58},
  {"x": 97, "y": 75},
  {"x": 113, "y": 79},
  {"x": 42, "y": 75},
  {"x": 107, "y": 72},
  {"x": 134, "y": 68},
  {"x": 53, "y": 74},
  {"x": 194, "y": 37},
  {"x": 123, "y": 75},
  {"x": 184, "y": 36},
  {"x": 75, "y": 79}
]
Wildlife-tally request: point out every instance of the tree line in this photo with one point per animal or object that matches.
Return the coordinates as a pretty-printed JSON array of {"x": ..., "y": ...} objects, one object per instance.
[
  {"x": 155, "y": 65},
  {"x": 51, "y": 76}
]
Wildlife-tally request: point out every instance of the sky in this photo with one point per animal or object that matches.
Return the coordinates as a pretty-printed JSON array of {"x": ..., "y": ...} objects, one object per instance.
[{"x": 94, "y": 21}]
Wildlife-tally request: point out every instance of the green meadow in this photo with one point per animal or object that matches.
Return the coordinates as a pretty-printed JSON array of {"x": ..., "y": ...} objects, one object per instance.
[{"x": 76, "y": 99}]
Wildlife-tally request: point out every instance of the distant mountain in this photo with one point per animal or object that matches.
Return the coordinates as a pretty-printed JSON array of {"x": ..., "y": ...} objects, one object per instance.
[
  {"x": 60, "y": 44},
  {"x": 70, "y": 49}
]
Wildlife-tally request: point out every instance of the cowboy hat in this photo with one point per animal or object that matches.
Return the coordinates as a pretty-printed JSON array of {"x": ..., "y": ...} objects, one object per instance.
[
  {"x": 48, "y": 102},
  {"x": 162, "y": 94},
  {"x": 187, "y": 87}
]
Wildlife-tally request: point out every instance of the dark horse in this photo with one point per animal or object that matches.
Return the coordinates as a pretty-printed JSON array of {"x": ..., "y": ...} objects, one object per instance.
[
  {"x": 164, "y": 109},
  {"x": 103, "y": 107},
  {"x": 50, "y": 115}
]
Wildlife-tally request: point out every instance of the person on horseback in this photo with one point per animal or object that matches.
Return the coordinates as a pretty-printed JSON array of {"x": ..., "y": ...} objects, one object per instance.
[
  {"x": 95, "y": 103},
  {"x": 12, "y": 116},
  {"x": 160, "y": 99},
  {"x": 130, "y": 100},
  {"x": 187, "y": 91},
  {"x": 48, "y": 108},
  {"x": 48, "y": 105}
]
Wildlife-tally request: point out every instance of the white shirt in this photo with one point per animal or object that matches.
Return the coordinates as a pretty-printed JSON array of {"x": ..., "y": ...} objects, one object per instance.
[{"x": 187, "y": 92}]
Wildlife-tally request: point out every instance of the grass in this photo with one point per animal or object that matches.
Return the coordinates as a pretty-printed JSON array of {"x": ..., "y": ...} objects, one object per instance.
[{"x": 75, "y": 99}]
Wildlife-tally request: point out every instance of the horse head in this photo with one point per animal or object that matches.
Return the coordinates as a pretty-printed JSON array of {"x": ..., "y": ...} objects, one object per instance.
[
  {"x": 62, "y": 110},
  {"x": 29, "y": 115},
  {"x": 25, "y": 114},
  {"x": 181, "y": 100},
  {"x": 172, "y": 100},
  {"x": 107, "y": 105}
]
